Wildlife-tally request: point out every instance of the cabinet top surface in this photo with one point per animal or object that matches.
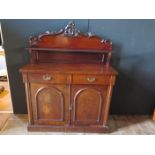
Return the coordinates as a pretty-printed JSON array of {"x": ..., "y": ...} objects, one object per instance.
[{"x": 69, "y": 68}]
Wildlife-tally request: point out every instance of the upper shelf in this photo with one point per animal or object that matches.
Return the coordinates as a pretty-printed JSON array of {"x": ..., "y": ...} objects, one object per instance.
[
  {"x": 68, "y": 50},
  {"x": 68, "y": 40}
]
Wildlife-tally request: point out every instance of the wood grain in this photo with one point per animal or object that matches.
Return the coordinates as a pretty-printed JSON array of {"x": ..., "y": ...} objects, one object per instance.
[{"x": 69, "y": 81}]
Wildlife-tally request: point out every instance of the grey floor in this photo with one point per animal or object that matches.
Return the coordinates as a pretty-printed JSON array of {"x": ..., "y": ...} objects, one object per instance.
[{"x": 119, "y": 125}]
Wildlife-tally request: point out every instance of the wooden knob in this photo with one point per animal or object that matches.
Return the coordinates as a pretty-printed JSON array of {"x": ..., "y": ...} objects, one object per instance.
[
  {"x": 91, "y": 79},
  {"x": 47, "y": 77}
]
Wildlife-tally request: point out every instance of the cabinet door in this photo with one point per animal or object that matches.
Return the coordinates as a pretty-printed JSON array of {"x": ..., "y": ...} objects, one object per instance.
[
  {"x": 88, "y": 104},
  {"x": 49, "y": 104}
]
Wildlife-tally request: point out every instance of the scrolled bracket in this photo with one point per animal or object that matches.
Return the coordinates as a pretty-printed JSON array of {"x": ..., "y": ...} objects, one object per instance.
[{"x": 33, "y": 40}]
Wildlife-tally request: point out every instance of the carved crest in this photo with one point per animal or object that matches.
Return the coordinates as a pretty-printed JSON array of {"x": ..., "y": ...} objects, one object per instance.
[{"x": 71, "y": 30}]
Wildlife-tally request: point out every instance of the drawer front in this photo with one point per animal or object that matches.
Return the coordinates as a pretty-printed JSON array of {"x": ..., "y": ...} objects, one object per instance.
[
  {"x": 47, "y": 78},
  {"x": 91, "y": 79}
]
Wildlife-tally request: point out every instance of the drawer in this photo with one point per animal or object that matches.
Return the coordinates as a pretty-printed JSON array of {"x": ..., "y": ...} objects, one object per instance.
[
  {"x": 47, "y": 78},
  {"x": 91, "y": 79}
]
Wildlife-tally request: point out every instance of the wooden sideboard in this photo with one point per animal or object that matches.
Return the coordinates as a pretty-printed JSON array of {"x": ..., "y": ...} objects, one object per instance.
[{"x": 68, "y": 81}]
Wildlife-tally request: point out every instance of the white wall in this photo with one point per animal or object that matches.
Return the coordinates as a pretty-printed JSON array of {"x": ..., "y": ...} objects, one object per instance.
[
  {"x": 2, "y": 63},
  {"x": 3, "y": 69}
]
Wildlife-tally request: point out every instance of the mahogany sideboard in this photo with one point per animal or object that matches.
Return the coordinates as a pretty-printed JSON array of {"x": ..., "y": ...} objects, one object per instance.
[{"x": 68, "y": 81}]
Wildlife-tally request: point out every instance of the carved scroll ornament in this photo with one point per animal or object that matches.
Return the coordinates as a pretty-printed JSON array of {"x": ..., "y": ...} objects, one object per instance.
[{"x": 69, "y": 31}]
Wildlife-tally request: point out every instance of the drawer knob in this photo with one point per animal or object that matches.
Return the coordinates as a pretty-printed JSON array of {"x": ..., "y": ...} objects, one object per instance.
[
  {"x": 47, "y": 77},
  {"x": 91, "y": 79}
]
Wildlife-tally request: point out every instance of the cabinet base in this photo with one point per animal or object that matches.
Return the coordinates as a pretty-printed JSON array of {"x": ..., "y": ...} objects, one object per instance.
[{"x": 90, "y": 129}]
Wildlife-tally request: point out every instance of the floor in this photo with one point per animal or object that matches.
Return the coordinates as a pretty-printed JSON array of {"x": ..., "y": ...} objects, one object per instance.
[
  {"x": 3, "y": 119},
  {"x": 5, "y": 99},
  {"x": 5, "y": 103},
  {"x": 119, "y": 125}
]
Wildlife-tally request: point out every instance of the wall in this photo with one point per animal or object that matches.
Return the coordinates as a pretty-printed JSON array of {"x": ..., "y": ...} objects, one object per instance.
[
  {"x": 133, "y": 57},
  {"x": 2, "y": 63},
  {"x": 3, "y": 70}
]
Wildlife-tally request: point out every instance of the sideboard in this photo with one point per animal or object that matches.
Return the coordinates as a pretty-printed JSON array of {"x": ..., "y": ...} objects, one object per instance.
[{"x": 68, "y": 81}]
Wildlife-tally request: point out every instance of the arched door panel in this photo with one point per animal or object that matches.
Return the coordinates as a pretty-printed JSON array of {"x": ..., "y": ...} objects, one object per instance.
[
  {"x": 49, "y": 104},
  {"x": 88, "y": 105}
]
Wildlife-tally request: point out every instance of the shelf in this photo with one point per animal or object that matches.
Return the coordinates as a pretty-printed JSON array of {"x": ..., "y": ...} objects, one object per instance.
[{"x": 68, "y": 50}]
